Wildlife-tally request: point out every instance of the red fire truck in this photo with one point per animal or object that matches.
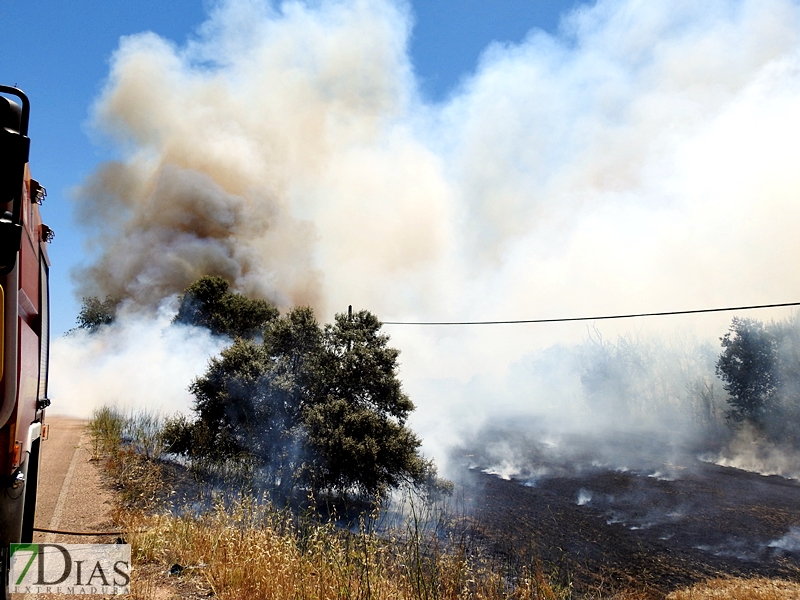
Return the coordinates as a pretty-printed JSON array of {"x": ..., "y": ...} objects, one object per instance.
[{"x": 25, "y": 325}]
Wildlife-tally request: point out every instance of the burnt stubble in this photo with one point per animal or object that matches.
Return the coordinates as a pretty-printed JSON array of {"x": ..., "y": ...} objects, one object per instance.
[{"x": 660, "y": 526}]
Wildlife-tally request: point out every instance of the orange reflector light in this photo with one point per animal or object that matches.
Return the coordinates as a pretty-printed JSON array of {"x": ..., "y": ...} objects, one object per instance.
[
  {"x": 17, "y": 450},
  {"x": 45, "y": 431}
]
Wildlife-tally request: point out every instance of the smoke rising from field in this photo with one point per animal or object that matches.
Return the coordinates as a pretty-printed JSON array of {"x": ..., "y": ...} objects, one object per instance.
[
  {"x": 790, "y": 542},
  {"x": 748, "y": 450},
  {"x": 642, "y": 159}
]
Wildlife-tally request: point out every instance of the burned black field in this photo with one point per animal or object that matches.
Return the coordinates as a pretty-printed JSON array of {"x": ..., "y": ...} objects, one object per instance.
[{"x": 600, "y": 525}]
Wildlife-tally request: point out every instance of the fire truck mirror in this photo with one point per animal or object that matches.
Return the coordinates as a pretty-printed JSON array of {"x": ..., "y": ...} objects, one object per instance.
[
  {"x": 13, "y": 152},
  {"x": 10, "y": 115},
  {"x": 14, "y": 147}
]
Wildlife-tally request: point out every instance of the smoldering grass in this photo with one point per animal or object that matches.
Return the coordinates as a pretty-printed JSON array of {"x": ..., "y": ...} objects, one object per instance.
[
  {"x": 239, "y": 545},
  {"x": 143, "y": 432},
  {"x": 236, "y": 545},
  {"x": 249, "y": 548},
  {"x": 111, "y": 428}
]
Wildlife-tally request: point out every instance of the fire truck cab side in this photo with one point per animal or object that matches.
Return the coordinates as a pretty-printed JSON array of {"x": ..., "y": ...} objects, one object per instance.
[{"x": 25, "y": 325}]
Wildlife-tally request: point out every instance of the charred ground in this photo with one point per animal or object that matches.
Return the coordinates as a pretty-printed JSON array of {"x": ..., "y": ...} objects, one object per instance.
[{"x": 604, "y": 524}]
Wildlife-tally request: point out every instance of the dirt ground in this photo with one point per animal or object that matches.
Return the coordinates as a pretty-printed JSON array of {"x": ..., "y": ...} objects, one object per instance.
[{"x": 71, "y": 494}]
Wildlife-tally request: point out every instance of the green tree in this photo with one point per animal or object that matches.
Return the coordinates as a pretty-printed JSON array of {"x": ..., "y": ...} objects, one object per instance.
[
  {"x": 209, "y": 303},
  {"x": 317, "y": 407},
  {"x": 356, "y": 425},
  {"x": 747, "y": 367},
  {"x": 95, "y": 312},
  {"x": 252, "y": 397}
]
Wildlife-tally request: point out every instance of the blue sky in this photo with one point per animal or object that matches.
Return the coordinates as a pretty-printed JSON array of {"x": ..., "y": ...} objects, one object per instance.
[{"x": 58, "y": 53}]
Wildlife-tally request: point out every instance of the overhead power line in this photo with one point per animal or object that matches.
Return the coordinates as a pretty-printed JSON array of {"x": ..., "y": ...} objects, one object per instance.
[{"x": 599, "y": 318}]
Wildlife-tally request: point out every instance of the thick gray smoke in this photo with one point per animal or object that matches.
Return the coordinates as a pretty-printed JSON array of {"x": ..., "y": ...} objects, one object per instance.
[{"x": 644, "y": 159}]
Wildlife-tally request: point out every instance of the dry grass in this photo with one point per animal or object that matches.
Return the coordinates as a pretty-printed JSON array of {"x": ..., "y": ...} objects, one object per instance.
[{"x": 740, "y": 589}]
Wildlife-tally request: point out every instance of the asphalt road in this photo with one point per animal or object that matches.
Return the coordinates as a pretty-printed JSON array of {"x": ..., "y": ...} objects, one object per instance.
[{"x": 71, "y": 496}]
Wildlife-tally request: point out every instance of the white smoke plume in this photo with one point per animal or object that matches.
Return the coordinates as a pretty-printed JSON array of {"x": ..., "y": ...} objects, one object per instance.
[
  {"x": 643, "y": 159},
  {"x": 790, "y": 542},
  {"x": 136, "y": 363}
]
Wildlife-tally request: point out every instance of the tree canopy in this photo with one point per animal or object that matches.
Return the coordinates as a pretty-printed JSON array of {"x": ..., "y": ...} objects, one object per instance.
[
  {"x": 209, "y": 303},
  {"x": 356, "y": 423},
  {"x": 95, "y": 312},
  {"x": 760, "y": 370},
  {"x": 314, "y": 407},
  {"x": 320, "y": 407},
  {"x": 747, "y": 368}
]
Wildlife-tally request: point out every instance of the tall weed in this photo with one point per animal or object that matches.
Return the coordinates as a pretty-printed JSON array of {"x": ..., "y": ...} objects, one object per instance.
[{"x": 106, "y": 427}]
